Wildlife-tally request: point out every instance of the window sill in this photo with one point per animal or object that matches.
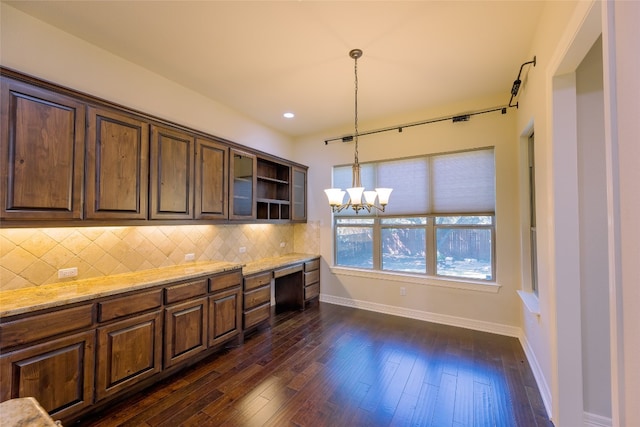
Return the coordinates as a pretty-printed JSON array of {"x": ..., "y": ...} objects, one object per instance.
[
  {"x": 470, "y": 285},
  {"x": 530, "y": 301}
]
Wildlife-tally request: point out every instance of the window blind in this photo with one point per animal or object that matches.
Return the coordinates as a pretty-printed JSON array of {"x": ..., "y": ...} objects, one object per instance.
[
  {"x": 461, "y": 182},
  {"x": 409, "y": 179}
]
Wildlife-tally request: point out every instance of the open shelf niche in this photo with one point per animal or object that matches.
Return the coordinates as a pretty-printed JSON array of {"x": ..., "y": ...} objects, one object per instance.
[{"x": 273, "y": 196}]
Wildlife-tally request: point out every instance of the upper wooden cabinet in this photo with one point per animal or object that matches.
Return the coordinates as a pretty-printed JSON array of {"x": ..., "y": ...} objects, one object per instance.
[
  {"x": 242, "y": 186},
  {"x": 212, "y": 177},
  {"x": 42, "y": 150},
  {"x": 117, "y": 166},
  {"x": 171, "y": 174},
  {"x": 68, "y": 156},
  {"x": 299, "y": 193}
]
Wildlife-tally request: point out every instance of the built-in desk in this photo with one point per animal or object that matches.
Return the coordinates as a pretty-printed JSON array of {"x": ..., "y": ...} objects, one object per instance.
[
  {"x": 287, "y": 281},
  {"x": 289, "y": 288}
]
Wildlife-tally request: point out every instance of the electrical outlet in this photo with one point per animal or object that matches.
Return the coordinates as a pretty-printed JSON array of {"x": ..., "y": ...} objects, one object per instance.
[
  {"x": 189, "y": 257},
  {"x": 64, "y": 273},
  {"x": 403, "y": 291},
  {"x": 243, "y": 249}
]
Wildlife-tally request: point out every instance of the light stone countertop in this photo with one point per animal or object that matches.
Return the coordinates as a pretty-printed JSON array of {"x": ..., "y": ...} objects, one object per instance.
[
  {"x": 27, "y": 300},
  {"x": 35, "y": 298},
  {"x": 24, "y": 412},
  {"x": 273, "y": 263}
]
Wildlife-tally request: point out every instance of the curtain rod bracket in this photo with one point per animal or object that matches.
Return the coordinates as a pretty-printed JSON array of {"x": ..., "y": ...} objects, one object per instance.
[{"x": 517, "y": 82}]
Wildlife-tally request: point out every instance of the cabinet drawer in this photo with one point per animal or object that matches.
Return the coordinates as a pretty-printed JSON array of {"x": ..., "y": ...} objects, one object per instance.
[
  {"x": 257, "y": 281},
  {"x": 311, "y": 277},
  {"x": 257, "y": 297},
  {"x": 124, "y": 306},
  {"x": 185, "y": 291},
  {"x": 225, "y": 281},
  {"x": 40, "y": 326},
  {"x": 287, "y": 270},
  {"x": 312, "y": 265},
  {"x": 311, "y": 291},
  {"x": 257, "y": 315}
]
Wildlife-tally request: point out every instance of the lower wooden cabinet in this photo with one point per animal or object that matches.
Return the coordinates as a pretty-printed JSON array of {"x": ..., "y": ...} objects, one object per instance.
[
  {"x": 225, "y": 312},
  {"x": 58, "y": 373},
  {"x": 185, "y": 330},
  {"x": 77, "y": 356},
  {"x": 129, "y": 351}
]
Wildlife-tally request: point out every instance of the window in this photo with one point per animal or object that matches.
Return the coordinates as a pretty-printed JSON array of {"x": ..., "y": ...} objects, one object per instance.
[
  {"x": 404, "y": 244},
  {"x": 440, "y": 221},
  {"x": 532, "y": 216},
  {"x": 354, "y": 242},
  {"x": 464, "y": 246}
]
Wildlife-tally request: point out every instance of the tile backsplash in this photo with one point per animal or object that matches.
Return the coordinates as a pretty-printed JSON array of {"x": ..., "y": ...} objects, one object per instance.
[{"x": 32, "y": 257}]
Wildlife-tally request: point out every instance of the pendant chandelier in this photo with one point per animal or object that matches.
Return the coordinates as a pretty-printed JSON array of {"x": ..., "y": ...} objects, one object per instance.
[{"x": 357, "y": 191}]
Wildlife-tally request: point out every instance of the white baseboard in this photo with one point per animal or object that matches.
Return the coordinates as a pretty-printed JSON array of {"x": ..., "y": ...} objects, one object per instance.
[
  {"x": 593, "y": 420},
  {"x": 545, "y": 392},
  {"x": 444, "y": 319}
]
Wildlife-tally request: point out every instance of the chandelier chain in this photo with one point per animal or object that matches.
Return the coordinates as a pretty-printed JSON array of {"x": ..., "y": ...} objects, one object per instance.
[{"x": 355, "y": 68}]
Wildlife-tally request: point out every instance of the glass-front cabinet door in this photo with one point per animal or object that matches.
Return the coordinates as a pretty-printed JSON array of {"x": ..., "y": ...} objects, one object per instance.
[
  {"x": 243, "y": 183},
  {"x": 299, "y": 194}
]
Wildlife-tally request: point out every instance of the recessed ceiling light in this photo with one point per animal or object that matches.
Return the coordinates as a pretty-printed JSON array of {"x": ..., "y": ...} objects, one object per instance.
[{"x": 288, "y": 115}]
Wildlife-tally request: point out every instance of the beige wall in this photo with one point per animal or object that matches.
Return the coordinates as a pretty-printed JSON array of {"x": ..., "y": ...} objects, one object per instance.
[
  {"x": 533, "y": 114},
  {"x": 557, "y": 339},
  {"x": 446, "y": 303}
]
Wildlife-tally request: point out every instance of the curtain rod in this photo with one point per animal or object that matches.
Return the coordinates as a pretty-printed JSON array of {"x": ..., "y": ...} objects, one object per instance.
[{"x": 457, "y": 118}]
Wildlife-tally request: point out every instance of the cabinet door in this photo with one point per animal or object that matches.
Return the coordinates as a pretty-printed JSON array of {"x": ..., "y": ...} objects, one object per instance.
[
  {"x": 42, "y": 144},
  {"x": 185, "y": 332},
  {"x": 117, "y": 166},
  {"x": 171, "y": 174},
  {"x": 242, "y": 187},
  {"x": 225, "y": 311},
  {"x": 58, "y": 373},
  {"x": 212, "y": 173},
  {"x": 299, "y": 194},
  {"x": 128, "y": 352}
]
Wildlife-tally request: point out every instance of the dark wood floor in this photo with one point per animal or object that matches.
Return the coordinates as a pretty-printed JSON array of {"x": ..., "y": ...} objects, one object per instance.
[{"x": 337, "y": 366}]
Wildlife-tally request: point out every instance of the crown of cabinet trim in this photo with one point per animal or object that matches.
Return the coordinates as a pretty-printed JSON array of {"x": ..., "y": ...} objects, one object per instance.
[{"x": 139, "y": 169}]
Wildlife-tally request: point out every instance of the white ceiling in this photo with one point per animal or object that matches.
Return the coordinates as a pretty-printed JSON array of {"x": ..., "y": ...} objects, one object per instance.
[{"x": 263, "y": 58}]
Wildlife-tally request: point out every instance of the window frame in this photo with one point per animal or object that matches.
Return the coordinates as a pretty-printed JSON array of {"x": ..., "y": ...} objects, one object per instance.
[{"x": 430, "y": 227}]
